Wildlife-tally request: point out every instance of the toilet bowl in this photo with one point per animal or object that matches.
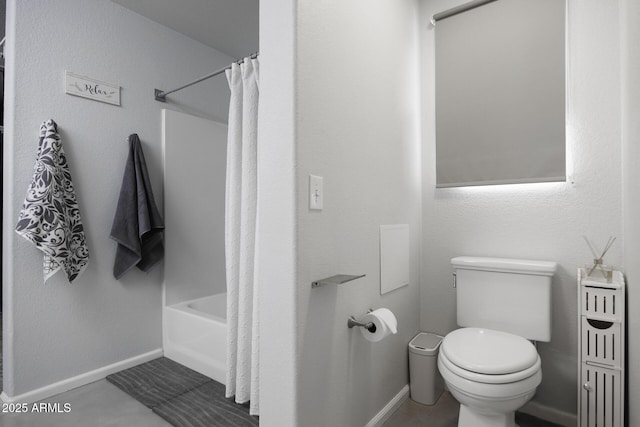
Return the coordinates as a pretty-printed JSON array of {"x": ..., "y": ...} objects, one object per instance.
[
  {"x": 491, "y": 374},
  {"x": 489, "y": 365}
]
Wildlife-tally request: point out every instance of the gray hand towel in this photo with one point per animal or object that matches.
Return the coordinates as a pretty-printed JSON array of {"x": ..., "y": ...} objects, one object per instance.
[
  {"x": 50, "y": 216},
  {"x": 137, "y": 225}
]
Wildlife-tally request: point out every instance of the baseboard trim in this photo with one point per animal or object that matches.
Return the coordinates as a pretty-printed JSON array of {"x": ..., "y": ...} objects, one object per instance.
[
  {"x": 386, "y": 412},
  {"x": 550, "y": 414},
  {"x": 80, "y": 380}
]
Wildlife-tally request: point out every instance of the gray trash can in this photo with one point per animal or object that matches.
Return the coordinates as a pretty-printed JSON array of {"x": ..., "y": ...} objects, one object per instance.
[{"x": 426, "y": 382}]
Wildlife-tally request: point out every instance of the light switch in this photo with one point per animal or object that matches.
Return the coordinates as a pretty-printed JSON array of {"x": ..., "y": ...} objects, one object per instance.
[{"x": 316, "y": 193}]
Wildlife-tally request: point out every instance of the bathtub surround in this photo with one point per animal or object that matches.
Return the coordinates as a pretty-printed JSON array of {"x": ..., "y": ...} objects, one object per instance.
[
  {"x": 57, "y": 336},
  {"x": 194, "y": 312},
  {"x": 137, "y": 226},
  {"x": 240, "y": 235},
  {"x": 193, "y": 266}
]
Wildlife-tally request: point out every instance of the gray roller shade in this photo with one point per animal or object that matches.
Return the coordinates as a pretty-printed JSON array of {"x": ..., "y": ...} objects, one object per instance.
[{"x": 500, "y": 94}]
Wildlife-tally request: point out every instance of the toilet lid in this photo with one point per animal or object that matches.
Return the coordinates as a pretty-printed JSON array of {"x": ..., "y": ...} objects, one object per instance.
[{"x": 486, "y": 351}]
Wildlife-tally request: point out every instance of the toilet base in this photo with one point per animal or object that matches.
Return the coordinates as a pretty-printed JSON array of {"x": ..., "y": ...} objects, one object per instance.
[{"x": 470, "y": 418}]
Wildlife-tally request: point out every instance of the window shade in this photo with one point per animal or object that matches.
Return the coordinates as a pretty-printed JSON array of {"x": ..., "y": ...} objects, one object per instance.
[{"x": 500, "y": 94}]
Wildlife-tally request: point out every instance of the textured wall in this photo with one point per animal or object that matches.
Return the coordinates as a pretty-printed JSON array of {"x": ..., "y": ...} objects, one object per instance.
[
  {"x": 630, "y": 19},
  {"x": 538, "y": 221},
  {"x": 357, "y": 126},
  {"x": 58, "y": 331}
]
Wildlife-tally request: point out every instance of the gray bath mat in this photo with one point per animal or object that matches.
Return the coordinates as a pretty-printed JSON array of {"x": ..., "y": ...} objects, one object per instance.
[
  {"x": 205, "y": 406},
  {"x": 183, "y": 397},
  {"x": 157, "y": 381}
]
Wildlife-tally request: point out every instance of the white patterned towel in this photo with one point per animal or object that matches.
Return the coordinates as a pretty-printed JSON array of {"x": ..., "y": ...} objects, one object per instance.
[{"x": 50, "y": 217}]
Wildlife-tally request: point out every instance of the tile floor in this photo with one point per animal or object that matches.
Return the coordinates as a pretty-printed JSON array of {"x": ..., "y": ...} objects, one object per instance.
[
  {"x": 444, "y": 414},
  {"x": 101, "y": 404}
]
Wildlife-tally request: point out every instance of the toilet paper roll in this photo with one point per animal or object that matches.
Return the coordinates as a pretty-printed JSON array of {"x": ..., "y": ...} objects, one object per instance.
[{"x": 385, "y": 321}]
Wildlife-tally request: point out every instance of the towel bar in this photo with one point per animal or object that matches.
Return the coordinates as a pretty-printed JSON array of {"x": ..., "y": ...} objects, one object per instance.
[{"x": 338, "y": 279}]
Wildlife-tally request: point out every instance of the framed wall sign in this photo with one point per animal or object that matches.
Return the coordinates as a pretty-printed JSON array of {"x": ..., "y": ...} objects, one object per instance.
[{"x": 89, "y": 88}]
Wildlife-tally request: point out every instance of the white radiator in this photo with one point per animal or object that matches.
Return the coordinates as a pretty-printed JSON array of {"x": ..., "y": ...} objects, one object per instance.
[{"x": 602, "y": 346}]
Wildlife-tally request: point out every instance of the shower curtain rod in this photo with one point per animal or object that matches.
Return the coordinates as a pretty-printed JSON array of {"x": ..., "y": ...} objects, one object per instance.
[
  {"x": 458, "y": 9},
  {"x": 162, "y": 95}
]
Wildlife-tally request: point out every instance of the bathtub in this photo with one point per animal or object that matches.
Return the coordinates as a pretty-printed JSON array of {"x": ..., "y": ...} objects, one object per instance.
[{"x": 195, "y": 335}]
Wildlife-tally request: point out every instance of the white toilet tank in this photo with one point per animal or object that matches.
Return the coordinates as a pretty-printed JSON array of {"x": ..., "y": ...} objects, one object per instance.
[{"x": 511, "y": 295}]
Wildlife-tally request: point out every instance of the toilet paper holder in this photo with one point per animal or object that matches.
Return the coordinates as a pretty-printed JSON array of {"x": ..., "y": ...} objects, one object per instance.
[{"x": 351, "y": 322}]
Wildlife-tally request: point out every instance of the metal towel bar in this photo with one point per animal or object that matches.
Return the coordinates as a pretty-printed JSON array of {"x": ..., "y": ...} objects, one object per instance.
[{"x": 338, "y": 279}]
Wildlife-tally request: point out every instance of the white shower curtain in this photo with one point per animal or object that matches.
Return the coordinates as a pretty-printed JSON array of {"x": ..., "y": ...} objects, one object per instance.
[{"x": 240, "y": 235}]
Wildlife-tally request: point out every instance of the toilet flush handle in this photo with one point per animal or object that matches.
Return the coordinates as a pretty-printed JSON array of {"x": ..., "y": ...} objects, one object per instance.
[{"x": 454, "y": 280}]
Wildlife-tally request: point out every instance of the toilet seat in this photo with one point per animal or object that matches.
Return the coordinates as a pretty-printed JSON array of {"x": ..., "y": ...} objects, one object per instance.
[
  {"x": 488, "y": 356},
  {"x": 489, "y": 378}
]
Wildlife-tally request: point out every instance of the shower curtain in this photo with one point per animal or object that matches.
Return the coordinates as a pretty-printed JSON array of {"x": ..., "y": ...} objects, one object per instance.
[{"x": 240, "y": 235}]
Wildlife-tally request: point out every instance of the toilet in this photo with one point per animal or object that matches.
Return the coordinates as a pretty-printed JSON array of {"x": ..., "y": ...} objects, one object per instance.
[{"x": 490, "y": 364}]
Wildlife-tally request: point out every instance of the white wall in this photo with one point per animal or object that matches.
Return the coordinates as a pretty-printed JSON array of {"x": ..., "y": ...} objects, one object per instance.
[
  {"x": 538, "y": 221},
  {"x": 630, "y": 20},
  {"x": 277, "y": 224},
  {"x": 58, "y": 331},
  {"x": 357, "y": 126}
]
